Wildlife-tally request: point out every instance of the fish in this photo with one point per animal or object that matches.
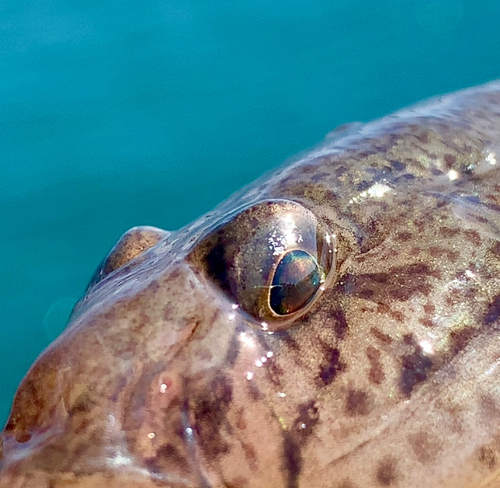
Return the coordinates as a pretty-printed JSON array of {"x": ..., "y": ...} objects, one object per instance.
[{"x": 334, "y": 324}]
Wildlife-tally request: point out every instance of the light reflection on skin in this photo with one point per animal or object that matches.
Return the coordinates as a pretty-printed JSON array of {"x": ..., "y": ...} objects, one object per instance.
[
  {"x": 470, "y": 274},
  {"x": 378, "y": 190},
  {"x": 491, "y": 158},
  {"x": 117, "y": 457},
  {"x": 427, "y": 346},
  {"x": 249, "y": 342}
]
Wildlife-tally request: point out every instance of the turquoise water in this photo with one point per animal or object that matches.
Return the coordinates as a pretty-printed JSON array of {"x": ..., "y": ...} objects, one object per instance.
[{"x": 115, "y": 114}]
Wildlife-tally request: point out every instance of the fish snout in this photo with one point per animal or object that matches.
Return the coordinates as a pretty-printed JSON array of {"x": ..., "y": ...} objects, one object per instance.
[{"x": 112, "y": 397}]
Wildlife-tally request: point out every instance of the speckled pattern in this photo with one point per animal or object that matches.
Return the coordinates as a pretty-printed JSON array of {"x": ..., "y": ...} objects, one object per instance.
[{"x": 388, "y": 378}]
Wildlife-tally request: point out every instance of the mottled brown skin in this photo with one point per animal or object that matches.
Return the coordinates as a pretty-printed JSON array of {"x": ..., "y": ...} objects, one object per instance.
[{"x": 389, "y": 378}]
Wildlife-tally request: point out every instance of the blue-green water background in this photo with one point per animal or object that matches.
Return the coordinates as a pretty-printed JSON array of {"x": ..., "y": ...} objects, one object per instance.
[{"x": 119, "y": 113}]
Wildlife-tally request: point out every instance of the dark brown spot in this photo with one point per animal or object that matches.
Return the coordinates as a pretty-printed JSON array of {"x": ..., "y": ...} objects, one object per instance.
[
  {"x": 205, "y": 354},
  {"x": 167, "y": 455},
  {"x": 241, "y": 422},
  {"x": 332, "y": 365},
  {"x": 347, "y": 484},
  {"x": 448, "y": 232},
  {"x": 253, "y": 391},
  {"x": 83, "y": 404},
  {"x": 460, "y": 338},
  {"x": 376, "y": 374},
  {"x": 320, "y": 177},
  {"x": 384, "y": 308},
  {"x": 153, "y": 287},
  {"x": 233, "y": 350},
  {"x": 436, "y": 252},
  {"x": 340, "y": 170},
  {"x": 238, "y": 482},
  {"x": 426, "y": 322},
  {"x": 450, "y": 160},
  {"x": 404, "y": 236},
  {"x": 488, "y": 457},
  {"x": 414, "y": 371},
  {"x": 473, "y": 237},
  {"x": 294, "y": 439},
  {"x": 315, "y": 191},
  {"x": 357, "y": 403},
  {"x": 381, "y": 336},
  {"x": 493, "y": 311},
  {"x": 420, "y": 225},
  {"x": 496, "y": 248},
  {"x": 397, "y": 165},
  {"x": 440, "y": 252},
  {"x": 308, "y": 417},
  {"x": 292, "y": 460},
  {"x": 250, "y": 454},
  {"x": 405, "y": 177},
  {"x": 310, "y": 168},
  {"x": 210, "y": 409},
  {"x": 422, "y": 136},
  {"x": 176, "y": 273},
  {"x": 489, "y": 408},
  {"x": 399, "y": 283},
  {"x": 274, "y": 373},
  {"x": 363, "y": 185},
  {"x": 287, "y": 338},
  {"x": 429, "y": 308},
  {"x": 366, "y": 294},
  {"x": 110, "y": 314},
  {"x": 424, "y": 446},
  {"x": 386, "y": 472},
  {"x": 409, "y": 339},
  {"x": 167, "y": 313},
  {"x": 340, "y": 323}
]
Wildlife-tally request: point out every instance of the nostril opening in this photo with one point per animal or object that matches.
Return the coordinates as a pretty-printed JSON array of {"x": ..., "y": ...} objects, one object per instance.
[
  {"x": 22, "y": 437},
  {"x": 12, "y": 428}
]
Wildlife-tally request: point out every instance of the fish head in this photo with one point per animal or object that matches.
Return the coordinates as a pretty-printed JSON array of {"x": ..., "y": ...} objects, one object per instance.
[{"x": 336, "y": 324}]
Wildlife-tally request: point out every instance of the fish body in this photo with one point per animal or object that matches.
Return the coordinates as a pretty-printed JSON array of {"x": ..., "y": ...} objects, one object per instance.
[{"x": 335, "y": 324}]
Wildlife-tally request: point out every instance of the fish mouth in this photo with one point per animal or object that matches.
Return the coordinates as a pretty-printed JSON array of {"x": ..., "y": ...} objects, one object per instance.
[
  {"x": 159, "y": 445},
  {"x": 121, "y": 415}
]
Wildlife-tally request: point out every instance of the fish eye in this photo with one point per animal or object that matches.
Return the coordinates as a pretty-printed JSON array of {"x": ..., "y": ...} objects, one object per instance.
[
  {"x": 272, "y": 259},
  {"x": 132, "y": 244}
]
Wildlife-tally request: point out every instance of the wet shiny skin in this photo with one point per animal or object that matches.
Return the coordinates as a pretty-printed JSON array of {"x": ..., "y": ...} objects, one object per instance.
[{"x": 175, "y": 370}]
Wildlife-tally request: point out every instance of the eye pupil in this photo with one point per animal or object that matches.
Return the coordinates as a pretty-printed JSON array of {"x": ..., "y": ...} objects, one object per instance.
[{"x": 296, "y": 281}]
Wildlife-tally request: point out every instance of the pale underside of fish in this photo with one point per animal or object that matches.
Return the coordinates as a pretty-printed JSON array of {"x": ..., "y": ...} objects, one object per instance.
[{"x": 335, "y": 324}]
